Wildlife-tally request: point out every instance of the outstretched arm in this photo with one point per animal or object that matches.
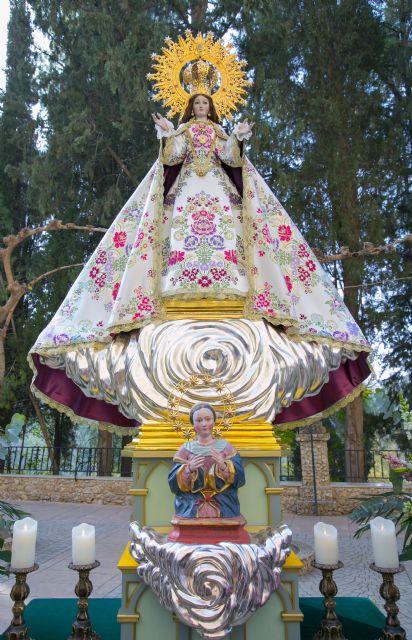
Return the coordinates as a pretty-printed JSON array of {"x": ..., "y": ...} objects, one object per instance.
[
  {"x": 174, "y": 145},
  {"x": 230, "y": 151}
]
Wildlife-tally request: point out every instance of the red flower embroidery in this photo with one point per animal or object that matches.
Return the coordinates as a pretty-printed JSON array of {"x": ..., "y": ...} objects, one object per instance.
[
  {"x": 311, "y": 265},
  {"x": 285, "y": 232},
  {"x": 115, "y": 290},
  {"x": 204, "y": 281},
  {"x": 303, "y": 252},
  {"x": 100, "y": 281},
  {"x": 93, "y": 273},
  {"x": 119, "y": 239},
  {"x": 101, "y": 257}
]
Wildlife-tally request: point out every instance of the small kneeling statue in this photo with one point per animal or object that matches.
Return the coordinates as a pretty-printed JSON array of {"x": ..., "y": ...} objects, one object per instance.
[{"x": 205, "y": 478}]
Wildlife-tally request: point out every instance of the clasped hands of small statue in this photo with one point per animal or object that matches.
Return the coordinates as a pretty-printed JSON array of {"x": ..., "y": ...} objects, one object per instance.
[
  {"x": 198, "y": 461},
  {"x": 244, "y": 127}
]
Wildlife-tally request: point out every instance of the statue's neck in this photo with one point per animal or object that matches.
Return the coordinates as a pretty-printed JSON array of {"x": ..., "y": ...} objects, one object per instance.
[{"x": 205, "y": 442}]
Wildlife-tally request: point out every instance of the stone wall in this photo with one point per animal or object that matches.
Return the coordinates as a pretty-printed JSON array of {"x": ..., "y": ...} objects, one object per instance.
[
  {"x": 66, "y": 489},
  {"x": 333, "y": 498}
]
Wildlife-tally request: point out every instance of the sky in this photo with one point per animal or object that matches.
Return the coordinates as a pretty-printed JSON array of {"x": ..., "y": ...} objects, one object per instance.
[{"x": 4, "y": 18}]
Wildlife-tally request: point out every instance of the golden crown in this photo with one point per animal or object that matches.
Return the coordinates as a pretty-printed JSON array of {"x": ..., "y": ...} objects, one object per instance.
[
  {"x": 204, "y": 66},
  {"x": 201, "y": 77}
]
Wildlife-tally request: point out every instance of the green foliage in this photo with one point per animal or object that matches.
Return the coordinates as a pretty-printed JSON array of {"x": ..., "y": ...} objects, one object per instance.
[
  {"x": 395, "y": 505},
  {"x": 8, "y": 515},
  {"x": 11, "y": 434}
]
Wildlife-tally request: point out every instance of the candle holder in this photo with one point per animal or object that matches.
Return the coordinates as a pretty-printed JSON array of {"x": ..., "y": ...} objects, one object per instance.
[
  {"x": 82, "y": 626},
  {"x": 330, "y": 627},
  {"x": 18, "y": 629},
  {"x": 390, "y": 593}
]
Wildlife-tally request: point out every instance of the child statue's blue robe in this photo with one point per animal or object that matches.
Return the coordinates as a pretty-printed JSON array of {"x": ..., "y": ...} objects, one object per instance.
[{"x": 207, "y": 492}]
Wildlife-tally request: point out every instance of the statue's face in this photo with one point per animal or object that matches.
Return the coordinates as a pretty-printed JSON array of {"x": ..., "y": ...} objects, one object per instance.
[
  {"x": 203, "y": 422},
  {"x": 201, "y": 107}
]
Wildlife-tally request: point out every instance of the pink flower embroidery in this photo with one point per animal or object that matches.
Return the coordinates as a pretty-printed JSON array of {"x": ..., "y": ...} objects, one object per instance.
[
  {"x": 176, "y": 256},
  {"x": 267, "y": 235},
  {"x": 119, "y": 239},
  {"x": 203, "y": 227},
  {"x": 93, "y": 273},
  {"x": 288, "y": 283},
  {"x": 285, "y": 232},
  {"x": 230, "y": 256}
]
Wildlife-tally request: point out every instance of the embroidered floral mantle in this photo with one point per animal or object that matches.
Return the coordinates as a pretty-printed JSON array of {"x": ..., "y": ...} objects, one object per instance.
[{"x": 201, "y": 240}]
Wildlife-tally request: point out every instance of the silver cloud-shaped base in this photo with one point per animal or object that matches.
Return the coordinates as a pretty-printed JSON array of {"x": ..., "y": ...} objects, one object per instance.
[
  {"x": 264, "y": 368},
  {"x": 211, "y": 588}
]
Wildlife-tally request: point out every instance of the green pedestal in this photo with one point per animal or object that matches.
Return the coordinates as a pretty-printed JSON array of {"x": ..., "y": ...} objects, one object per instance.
[{"x": 141, "y": 616}]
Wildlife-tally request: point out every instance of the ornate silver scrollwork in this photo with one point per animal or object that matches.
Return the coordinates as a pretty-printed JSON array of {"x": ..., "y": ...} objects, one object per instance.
[{"x": 211, "y": 588}]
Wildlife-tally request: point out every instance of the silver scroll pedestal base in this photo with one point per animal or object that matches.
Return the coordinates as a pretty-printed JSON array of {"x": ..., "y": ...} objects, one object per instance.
[{"x": 211, "y": 588}]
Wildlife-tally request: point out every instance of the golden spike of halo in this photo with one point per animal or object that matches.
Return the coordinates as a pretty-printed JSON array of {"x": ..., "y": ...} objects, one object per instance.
[{"x": 176, "y": 56}]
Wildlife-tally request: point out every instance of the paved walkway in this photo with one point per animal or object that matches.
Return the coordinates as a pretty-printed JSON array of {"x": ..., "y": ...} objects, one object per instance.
[{"x": 55, "y": 580}]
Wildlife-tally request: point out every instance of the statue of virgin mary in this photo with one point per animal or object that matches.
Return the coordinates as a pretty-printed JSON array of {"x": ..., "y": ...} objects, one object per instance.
[{"x": 202, "y": 225}]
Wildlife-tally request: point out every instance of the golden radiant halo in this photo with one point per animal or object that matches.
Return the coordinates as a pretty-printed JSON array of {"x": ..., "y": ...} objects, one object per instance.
[
  {"x": 196, "y": 380},
  {"x": 176, "y": 55}
]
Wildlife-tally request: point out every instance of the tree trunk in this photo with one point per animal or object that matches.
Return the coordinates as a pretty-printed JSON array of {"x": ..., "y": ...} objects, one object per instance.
[
  {"x": 126, "y": 463},
  {"x": 57, "y": 443},
  {"x": 45, "y": 431},
  {"x": 354, "y": 442},
  {"x": 104, "y": 453}
]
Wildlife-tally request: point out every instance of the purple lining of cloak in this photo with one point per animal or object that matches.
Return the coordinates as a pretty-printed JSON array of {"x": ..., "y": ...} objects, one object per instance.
[
  {"x": 55, "y": 384},
  {"x": 341, "y": 383}
]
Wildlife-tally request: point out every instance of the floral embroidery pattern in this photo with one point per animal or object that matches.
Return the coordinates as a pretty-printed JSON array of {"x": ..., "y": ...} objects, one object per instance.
[
  {"x": 203, "y": 227},
  {"x": 202, "y": 240}
]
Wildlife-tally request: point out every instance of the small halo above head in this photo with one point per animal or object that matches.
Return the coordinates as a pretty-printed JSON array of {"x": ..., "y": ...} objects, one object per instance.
[{"x": 197, "y": 407}]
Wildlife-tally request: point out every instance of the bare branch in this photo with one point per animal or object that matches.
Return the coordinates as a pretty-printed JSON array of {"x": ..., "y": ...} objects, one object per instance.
[{"x": 49, "y": 273}]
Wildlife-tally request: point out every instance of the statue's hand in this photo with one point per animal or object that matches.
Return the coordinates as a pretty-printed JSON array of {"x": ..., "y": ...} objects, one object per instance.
[
  {"x": 218, "y": 459},
  {"x": 160, "y": 121},
  {"x": 196, "y": 462},
  {"x": 245, "y": 127}
]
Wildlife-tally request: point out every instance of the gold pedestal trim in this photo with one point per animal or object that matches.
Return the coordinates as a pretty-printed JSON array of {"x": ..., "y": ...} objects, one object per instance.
[
  {"x": 160, "y": 439},
  {"x": 292, "y": 617},
  {"x": 204, "y": 309}
]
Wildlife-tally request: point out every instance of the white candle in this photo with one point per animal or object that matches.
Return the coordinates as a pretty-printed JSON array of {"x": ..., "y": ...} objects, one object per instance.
[
  {"x": 23, "y": 546},
  {"x": 385, "y": 551},
  {"x": 326, "y": 543},
  {"x": 83, "y": 544}
]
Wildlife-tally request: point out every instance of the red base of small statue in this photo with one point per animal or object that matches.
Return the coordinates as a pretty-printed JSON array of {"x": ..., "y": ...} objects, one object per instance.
[{"x": 209, "y": 530}]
